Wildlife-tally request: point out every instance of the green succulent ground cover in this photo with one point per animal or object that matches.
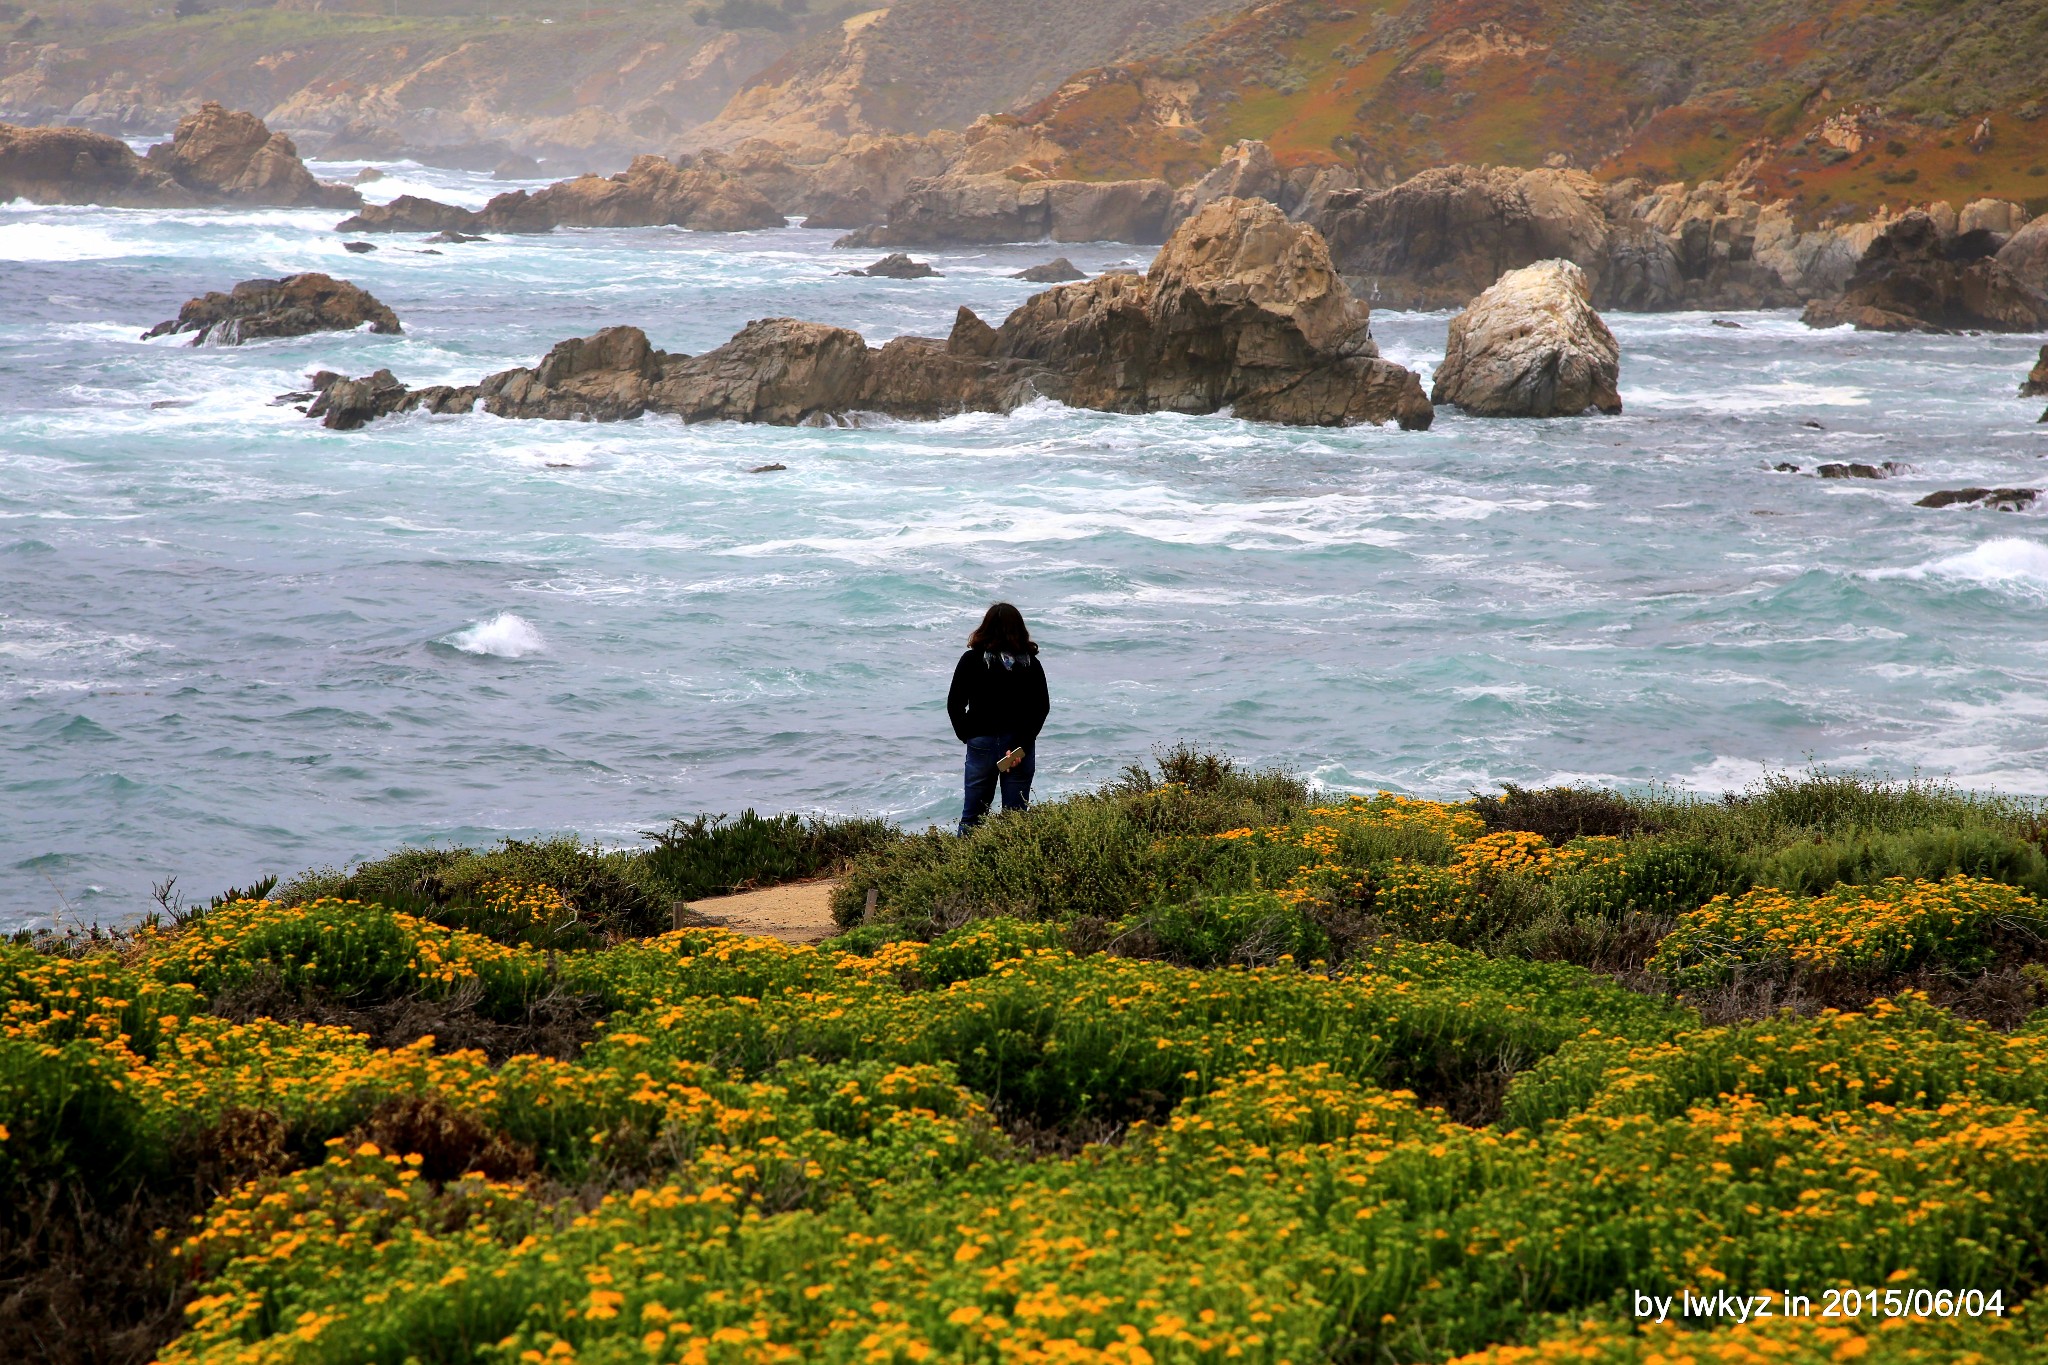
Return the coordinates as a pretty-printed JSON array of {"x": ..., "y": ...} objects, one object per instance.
[{"x": 1197, "y": 1067}]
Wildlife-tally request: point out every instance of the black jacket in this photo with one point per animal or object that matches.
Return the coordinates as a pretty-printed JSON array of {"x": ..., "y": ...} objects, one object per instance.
[{"x": 989, "y": 699}]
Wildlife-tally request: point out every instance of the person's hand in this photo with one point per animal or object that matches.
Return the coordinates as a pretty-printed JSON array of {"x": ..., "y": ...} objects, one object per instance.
[{"x": 1009, "y": 760}]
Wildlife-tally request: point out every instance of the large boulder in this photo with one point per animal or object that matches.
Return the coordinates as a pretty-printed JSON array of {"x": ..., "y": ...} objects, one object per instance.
[
  {"x": 1918, "y": 278},
  {"x": 73, "y": 166},
  {"x": 652, "y": 192},
  {"x": 228, "y": 154},
  {"x": 2025, "y": 254},
  {"x": 1241, "y": 309},
  {"x": 857, "y": 184},
  {"x": 973, "y": 210},
  {"x": 1531, "y": 346},
  {"x": 294, "y": 306}
]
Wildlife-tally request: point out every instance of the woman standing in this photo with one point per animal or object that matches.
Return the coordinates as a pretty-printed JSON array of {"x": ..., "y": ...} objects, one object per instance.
[{"x": 998, "y": 704}]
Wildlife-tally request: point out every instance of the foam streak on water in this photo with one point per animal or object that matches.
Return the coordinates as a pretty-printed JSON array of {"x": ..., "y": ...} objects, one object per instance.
[{"x": 232, "y": 642}]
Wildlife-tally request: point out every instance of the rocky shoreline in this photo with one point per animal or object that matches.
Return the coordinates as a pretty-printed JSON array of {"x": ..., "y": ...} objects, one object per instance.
[{"x": 1241, "y": 309}]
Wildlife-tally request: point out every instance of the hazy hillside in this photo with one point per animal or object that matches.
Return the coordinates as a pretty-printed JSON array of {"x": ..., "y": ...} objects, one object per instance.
[
  {"x": 1623, "y": 86},
  {"x": 534, "y": 72},
  {"x": 925, "y": 64}
]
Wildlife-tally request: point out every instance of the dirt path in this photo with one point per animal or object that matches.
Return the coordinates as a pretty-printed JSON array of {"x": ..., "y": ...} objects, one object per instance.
[{"x": 796, "y": 912}]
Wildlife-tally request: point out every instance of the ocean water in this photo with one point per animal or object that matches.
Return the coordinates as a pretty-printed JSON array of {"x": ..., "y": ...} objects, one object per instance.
[{"x": 232, "y": 642}]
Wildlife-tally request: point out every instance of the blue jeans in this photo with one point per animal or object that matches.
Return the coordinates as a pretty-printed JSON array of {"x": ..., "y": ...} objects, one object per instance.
[{"x": 982, "y": 778}]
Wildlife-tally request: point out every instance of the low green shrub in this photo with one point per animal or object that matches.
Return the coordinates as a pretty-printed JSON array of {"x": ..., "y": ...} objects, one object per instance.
[
  {"x": 711, "y": 855},
  {"x": 1100, "y": 854},
  {"x": 607, "y": 891},
  {"x": 1808, "y": 869},
  {"x": 1562, "y": 814},
  {"x": 1653, "y": 876}
]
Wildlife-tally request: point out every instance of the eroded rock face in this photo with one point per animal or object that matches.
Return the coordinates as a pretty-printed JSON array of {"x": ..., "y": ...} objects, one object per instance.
[
  {"x": 1440, "y": 237},
  {"x": 223, "y": 153},
  {"x": 1443, "y": 236},
  {"x": 957, "y": 210},
  {"x": 293, "y": 306},
  {"x": 1242, "y": 309},
  {"x": 1917, "y": 278},
  {"x": 1531, "y": 346},
  {"x": 652, "y": 192},
  {"x": 1246, "y": 171}
]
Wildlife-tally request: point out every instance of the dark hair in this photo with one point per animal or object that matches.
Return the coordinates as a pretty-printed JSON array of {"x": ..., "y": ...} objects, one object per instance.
[{"x": 1002, "y": 630}]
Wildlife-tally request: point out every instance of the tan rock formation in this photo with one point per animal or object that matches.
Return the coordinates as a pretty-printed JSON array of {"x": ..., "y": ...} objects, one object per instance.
[
  {"x": 229, "y": 154},
  {"x": 1531, "y": 346},
  {"x": 216, "y": 156},
  {"x": 72, "y": 166},
  {"x": 652, "y": 192}
]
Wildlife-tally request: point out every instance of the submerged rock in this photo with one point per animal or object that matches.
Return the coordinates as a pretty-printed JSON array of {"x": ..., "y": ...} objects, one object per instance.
[
  {"x": 293, "y": 306},
  {"x": 1241, "y": 309},
  {"x": 1531, "y": 346},
  {"x": 1917, "y": 278},
  {"x": 897, "y": 266},
  {"x": 1839, "y": 470},
  {"x": 2004, "y": 499},
  {"x": 358, "y": 248},
  {"x": 1058, "y": 270}
]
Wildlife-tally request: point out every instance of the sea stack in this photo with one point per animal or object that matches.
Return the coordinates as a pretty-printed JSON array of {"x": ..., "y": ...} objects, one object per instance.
[{"x": 1531, "y": 346}]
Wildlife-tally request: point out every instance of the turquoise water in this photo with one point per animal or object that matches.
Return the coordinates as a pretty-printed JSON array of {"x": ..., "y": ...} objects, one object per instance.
[{"x": 232, "y": 642}]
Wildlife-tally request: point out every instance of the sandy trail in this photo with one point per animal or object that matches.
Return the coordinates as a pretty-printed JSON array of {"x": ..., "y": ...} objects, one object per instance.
[{"x": 795, "y": 912}]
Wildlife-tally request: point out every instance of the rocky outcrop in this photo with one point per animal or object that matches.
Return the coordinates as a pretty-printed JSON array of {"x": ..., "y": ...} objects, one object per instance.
[
  {"x": 215, "y": 157},
  {"x": 231, "y": 155},
  {"x": 1438, "y": 238},
  {"x": 295, "y": 306},
  {"x": 1531, "y": 346},
  {"x": 970, "y": 210},
  {"x": 1246, "y": 171},
  {"x": 1917, "y": 278},
  {"x": 2036, "y": 382},
  {"x": 1058, "y": 270},
  {"x": 72, "y": 166},
  {"x": 897, "y": 266},
  {"x": 1241, "y": 309},
  {"x": 652, "y": 192},
  {"x": 345, "y": 404}
]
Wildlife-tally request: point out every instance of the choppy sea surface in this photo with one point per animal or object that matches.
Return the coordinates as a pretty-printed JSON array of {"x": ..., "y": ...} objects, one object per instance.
[{"x": 232, "y": 642}]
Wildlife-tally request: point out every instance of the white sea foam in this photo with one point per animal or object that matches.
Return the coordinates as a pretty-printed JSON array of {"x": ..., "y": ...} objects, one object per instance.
[
  {"x": 2007, "y": 562},
  {"x": 506, "y": 635}
]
